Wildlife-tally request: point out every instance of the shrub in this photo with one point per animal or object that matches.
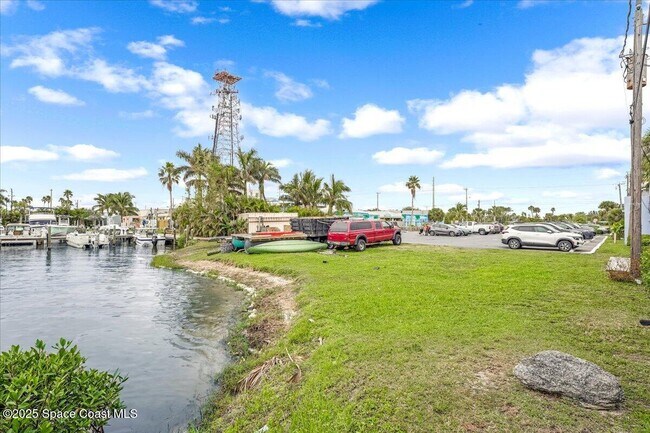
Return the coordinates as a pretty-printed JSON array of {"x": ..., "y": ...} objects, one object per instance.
[{"x": 37, "y": 382}]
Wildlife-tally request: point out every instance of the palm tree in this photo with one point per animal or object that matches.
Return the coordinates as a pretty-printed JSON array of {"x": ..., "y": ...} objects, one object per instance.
[
  {"x": 122, "y": 204},
  {"x": 413, "y": 184},
  {"x": 46, "y": 199},
  {"x": 247, "y": 161},
  {"x": 4, "y": 200},
  {"x": 305, "y": 189},
  {"x": 531, "y": 208},
  {"x": 195, "y": 171},
  {"x": 552, "y": 211},
  {"x": 168, "y": 176},
  {"x": 334, "y": 195},
  {"x": 103, "y": 204},
  {"x": 28, "y": 200},
  {"x": 264, "y": 171}
]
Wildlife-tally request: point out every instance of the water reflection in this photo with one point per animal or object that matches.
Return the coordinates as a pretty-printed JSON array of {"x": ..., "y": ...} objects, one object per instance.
[{"x": 163, "y": 329}]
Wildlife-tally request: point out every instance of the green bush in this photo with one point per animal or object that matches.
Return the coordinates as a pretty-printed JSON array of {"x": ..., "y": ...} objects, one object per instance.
[
  {"x": 180, "y": 241},
  {"x": 36, "y": 384}
]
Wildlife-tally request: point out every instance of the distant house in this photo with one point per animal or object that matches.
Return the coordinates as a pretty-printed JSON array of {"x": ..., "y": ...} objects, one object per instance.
[{"x": 152, "y": 217}]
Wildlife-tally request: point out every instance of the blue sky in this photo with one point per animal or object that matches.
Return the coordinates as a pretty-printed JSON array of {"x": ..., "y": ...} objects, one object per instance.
[{"x": 521, "y": 102}]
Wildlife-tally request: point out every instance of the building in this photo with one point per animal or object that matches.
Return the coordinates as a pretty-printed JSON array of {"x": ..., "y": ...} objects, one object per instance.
[{"x": 645, "y": 214}]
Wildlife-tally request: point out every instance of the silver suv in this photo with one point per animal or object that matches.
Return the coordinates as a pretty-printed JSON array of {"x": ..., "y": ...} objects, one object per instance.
[{"x": 539, "y": 235}]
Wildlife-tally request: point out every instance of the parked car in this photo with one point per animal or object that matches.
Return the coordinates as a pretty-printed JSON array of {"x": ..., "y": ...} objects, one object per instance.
[
  {"x": 358, "y": 234},
  {"x": 587, "y": 234},
  {"x": 480, "y": 228},
  {"x": 464, "y": 230},
  {"x": 444, "y": 230},
  {"x": 539, "y": 235}
]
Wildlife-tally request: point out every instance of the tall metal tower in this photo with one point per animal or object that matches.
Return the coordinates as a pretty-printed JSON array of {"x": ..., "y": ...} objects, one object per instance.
[{"x": 227, "y": 114}]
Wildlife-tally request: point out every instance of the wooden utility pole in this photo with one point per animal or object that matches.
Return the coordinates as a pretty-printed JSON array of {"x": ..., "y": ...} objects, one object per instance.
[
  {"x": 377, "y": 201},
  {"x": 637, "y": 124}
]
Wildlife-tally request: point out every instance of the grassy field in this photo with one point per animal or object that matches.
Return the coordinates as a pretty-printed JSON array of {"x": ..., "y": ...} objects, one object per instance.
[{"x": 424, "y": 339}]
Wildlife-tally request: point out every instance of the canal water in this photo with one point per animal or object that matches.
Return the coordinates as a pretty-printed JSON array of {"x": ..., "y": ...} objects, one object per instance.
[{"x": 163, "y": 329}]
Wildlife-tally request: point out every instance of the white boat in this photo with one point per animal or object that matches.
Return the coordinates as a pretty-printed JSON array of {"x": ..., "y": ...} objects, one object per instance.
[
  {"x": 87, "y": 240},
  {"x": 99, "y": 240},
  {"x": 78, "y": 240},
  {"x": 17, "y": 229},
  {"x": 42, "y": 221},
  {"x": 149, "y": 237},
  {"x": 113, "y": 229}
]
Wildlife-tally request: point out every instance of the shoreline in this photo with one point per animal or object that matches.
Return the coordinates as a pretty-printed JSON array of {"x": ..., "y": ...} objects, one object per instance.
[{"x": 268, "y": 310}]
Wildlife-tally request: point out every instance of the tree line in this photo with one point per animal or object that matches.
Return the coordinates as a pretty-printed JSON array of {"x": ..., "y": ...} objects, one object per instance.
[{"x": 218, "y": 193}]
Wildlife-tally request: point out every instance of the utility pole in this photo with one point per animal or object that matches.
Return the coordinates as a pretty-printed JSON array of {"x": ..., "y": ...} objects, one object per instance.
[
  {"x": 637, "y": 124},
  {"x": 51, "y": 199},
  {"x": 11, "y": 199},
  {"x": 377, "y": 201},
  {"x": 620, "y": 194},
  {"x": 433, "y": 193},
  {"x": 479, "y": 204}
]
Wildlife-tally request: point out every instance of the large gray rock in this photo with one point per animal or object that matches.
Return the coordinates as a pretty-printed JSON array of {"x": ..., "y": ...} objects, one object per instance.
[{"x": 562, "y": 374}]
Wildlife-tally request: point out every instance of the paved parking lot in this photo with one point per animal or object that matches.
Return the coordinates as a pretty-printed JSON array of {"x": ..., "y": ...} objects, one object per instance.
[{"x": 484, "y": 242}]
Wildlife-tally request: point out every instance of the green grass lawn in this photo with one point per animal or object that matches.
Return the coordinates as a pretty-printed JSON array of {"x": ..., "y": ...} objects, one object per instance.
[{"x": 424, "y": 339}]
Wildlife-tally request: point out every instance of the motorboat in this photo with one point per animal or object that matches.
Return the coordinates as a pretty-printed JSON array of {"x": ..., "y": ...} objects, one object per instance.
[
  {"x": 59, "y": 226},
  {"x": 79, "y": 240},
  {"x": 17, "y": 229},
  {"x": 149, "y": 237},
  {"x": 99, "y": 240}
]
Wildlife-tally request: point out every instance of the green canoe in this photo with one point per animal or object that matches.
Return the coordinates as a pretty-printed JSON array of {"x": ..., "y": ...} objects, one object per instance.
[{"x": 289, "y": 246}]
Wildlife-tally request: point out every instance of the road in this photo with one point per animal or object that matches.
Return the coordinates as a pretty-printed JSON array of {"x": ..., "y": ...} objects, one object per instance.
[{"x": 484, "y": 242}]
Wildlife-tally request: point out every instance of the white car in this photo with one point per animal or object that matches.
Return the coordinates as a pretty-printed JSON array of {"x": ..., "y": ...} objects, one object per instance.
[{"x": 537, "y": 235}]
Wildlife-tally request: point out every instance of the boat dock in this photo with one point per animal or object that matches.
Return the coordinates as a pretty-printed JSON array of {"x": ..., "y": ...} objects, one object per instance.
[{"x": 19, "y": 241}]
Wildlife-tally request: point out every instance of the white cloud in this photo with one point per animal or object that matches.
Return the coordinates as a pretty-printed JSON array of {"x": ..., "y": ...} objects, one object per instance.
[
  {"x": 301, "y": 22},
  {"x": 46, "y": 53},
  {"x": 403, "y": 155},
  {"x": 269, "y": 121},
  {"x": 35, "y": 5},
  {"x": 331, "y": 9},
  {"x": 370, "y": 120},
  {"x": 115, "y": 79},
  {"x": 147, "y": 114},
  {"x": 281, "y": 163},
  {"x": 607, "y": 173},
  {"x": 553, "y": 119},
  {"x": 85, "y": 152},
  {"x": 157, "y": 51},
  {"x": 560, "y": 194},
  {"x": 178, "y": 6},
  {"x": 470, "y": 111},
  {"x": 52, "y": 96},
  {"x": 224, "y": 64},
  {"x": 563, "y": 152},
  {"x": 23, "y": 153},
  {"x": 223, "y": 20},
  {"x": 318, "y": 82},
  {"x": 289, "y": 89},
  {"x": 527, "y": 4},
  {"x": 202, "y": 20},
  {"x": 8, "y": 7},
  {"x": 105, "y": 174},
  {"x": 170, "y": 40},
  {"x": 465, "y": 4}
]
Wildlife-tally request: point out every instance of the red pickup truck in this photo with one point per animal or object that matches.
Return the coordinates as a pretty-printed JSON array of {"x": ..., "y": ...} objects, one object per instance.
[{"x": 358, "y": 234}]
